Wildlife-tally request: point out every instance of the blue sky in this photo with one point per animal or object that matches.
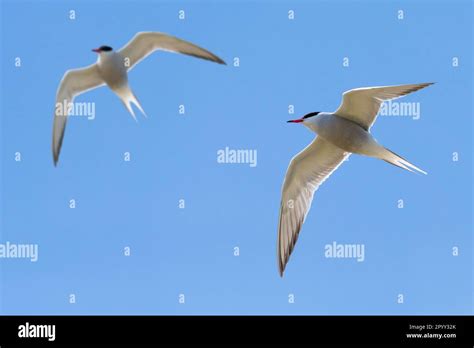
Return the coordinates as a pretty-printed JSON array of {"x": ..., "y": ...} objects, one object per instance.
[{"x": 189, "y": 251}]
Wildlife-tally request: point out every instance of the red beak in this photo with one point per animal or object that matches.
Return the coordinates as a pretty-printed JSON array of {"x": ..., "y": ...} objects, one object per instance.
[
  {"x": 96, "y": 50},
  {"x": 295, "y": 121}
]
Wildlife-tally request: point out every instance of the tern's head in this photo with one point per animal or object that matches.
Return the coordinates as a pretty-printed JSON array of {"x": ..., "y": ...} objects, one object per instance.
[
  {"x": 102, "y": 49},
  {"x": 306, "y": 119}
]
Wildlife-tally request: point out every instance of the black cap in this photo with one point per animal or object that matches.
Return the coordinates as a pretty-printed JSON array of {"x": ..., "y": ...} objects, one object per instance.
[
  {"x": 105, "y": 48},
  {"x": 311, "y": 114}
]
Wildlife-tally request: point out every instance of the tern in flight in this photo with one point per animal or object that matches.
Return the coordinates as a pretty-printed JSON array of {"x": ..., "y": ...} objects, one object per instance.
[
  {"x": 345, "y": 131},
  {"x": 111, "y": 69}
]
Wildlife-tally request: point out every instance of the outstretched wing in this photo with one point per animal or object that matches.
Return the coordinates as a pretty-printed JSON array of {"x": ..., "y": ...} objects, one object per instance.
[
  {"x": 74, "y": 82},
  {"x": 362, "y": 105},
  {"x": 306, "y": 172},
  {"x": 145, "y": 43}
]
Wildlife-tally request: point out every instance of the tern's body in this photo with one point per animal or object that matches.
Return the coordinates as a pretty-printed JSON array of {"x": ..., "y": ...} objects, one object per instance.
[
  {"x": 112, "y": 69},
  {"x": 339, "y": 134},
  {"x": 345, "y": 134}
]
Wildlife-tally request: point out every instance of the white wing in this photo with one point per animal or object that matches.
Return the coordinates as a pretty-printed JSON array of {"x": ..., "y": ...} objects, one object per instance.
[
  {"x": 306, "y": 172},
  {"x": 145, "y": 43},
  {"x": 74, "y": 82},
  {"x": 361, "y": 105}
]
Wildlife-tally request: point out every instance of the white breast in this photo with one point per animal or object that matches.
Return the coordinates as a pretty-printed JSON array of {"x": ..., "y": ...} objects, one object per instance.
[{"x": 112, "y": 69}]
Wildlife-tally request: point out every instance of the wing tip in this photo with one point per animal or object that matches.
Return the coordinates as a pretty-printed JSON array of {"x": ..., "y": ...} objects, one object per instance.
[
  {"x": 426, "y": 84},
  {"x": 210, "y": 57},
  {"x": 281, "y": 262},
  {"x": 420, "y": 171},
  {"x": 56, "y": 154},
  {"x": 281, "y": 268},
  {"x": 417, "y": 87},
  {"x": 218, "y": 60}
]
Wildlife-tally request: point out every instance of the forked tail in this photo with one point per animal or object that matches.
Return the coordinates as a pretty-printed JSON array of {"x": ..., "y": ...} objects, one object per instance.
[
  {"x": 128, "y": 98},
  {"x": 392, "y": 158}
]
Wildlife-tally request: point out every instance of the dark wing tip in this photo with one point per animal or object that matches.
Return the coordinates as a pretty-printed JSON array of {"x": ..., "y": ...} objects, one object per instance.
[
  {"x": 57, "y": 150},
  {"x": 281, "y": 266},
  {"x": 219, "y": 61},
  {"x": 281, "y": 272},
  {"x": 210, "y": 57},
  {"x": 285, "y": 257},
  {"x": 56, "y": 153},
  {"x": 425, "y": 84},
  {"x": 213, "y": 58},
  {"x": 416, "y": 88}
]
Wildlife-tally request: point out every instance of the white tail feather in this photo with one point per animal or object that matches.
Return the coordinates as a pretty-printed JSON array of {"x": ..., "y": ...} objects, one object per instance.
[
  {"x": 135, "y": 101},
  {"x": 128, "y": 98},
  {"x": 128, "y": 105},
  {"x": 396, "y": 160}
]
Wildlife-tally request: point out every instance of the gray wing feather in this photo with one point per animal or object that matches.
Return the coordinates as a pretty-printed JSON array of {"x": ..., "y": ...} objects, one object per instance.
[
  {"x": 145, "y": 43},
  {"x": 362, "y": 105},
  {"x": 73, "y": 83},
  {"x": 306, "y": 172}
]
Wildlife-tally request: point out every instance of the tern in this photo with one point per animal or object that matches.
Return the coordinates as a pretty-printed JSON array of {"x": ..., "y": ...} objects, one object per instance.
[
  {"x": 339, "y": 134},
  {"x": 112, "y": 69}
]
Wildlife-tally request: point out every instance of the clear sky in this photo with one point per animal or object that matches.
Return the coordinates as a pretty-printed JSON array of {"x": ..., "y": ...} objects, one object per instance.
[{"x": 190, "y": 251}]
